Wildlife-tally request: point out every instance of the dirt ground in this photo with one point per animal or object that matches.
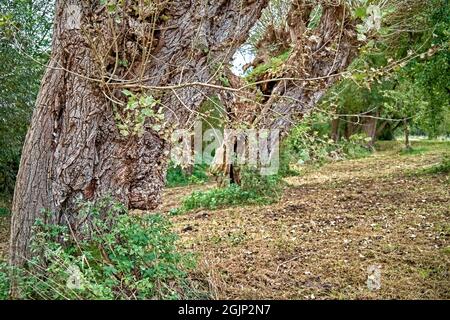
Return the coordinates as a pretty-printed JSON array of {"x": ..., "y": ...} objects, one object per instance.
[{"x": 334, "y": 223}]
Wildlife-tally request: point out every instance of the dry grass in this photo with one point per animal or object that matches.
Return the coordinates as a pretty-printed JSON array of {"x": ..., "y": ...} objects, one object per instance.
[{"x": 331, "y": 225}]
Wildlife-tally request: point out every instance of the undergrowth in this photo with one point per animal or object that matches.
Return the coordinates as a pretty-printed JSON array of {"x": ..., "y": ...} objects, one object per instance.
[
  {"x": 254, "y": 189},
  {"x": 5, "y": 205},
  {"x": 443, "y": 167},
  {"x": 4, "y": 281},
  {"x": 113, "y": 255},
  {"x": 4, "y": 211},
  {"x": 413, "y": 151},
  {"x": 309, "y": 142},
  {"x": 177, "y": 177}
]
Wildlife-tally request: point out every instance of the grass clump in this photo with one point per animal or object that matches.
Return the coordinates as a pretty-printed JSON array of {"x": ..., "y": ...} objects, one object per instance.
[
  {"x": 273, "y": 65},
  {"x": 412, "y": 151},
  {"x": 441, "y": 168},
  {"x": 4, "y": 280},
  {"x": 254, "y": 189},
  {"x": 177, "y": 177}
]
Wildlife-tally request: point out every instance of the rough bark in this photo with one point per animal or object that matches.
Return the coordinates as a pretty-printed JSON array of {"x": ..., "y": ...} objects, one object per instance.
[
  {"x": 370, "y": 128},
  {"x": 335, "y": 129},
  {"x": 318, "y": 54},
  {"x": 406, "y": 131},
  {"x": 73, "y": 148}
]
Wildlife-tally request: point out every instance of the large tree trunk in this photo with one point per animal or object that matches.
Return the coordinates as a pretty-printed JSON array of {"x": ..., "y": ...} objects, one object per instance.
[
  {"x": 318, "y": 55},
  {"x": 314, "y": 59},
  {"x": 73, "y": 148},
  {"x": 406, "y": 131},
  {"x": 335, "y": 123},
  {"x": 370, "y": 128}
]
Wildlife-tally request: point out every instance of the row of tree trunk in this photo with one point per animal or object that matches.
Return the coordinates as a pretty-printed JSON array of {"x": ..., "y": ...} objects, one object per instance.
[{"x": 374, "y": 128}]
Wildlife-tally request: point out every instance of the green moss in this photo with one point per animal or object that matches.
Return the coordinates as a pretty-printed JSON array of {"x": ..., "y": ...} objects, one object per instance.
[
  {"x": 176, "y": 177},
  {"x": 274, "y": 64}
]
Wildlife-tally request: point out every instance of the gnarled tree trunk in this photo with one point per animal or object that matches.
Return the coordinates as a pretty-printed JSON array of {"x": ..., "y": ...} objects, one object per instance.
[
  {"x": 370, "y": 129},
  {"x": 73, "y": 148},
  {"x": 317, "y": 57},
  {"x": 406, "y": 131},
  {"x": 335, "y": 136}
]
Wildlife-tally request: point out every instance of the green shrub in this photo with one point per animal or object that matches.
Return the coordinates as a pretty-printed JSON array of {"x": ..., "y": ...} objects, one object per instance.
[
  {"x": 287, "y": 157},
  {"x": 266, "y": 187},
  {"x": 4, "y": 281},
  {"x": 114, "y": 255},
  {"x": 355, "y": 147},
  {"x": 254, "y": 189},
  {"x": 177, "y": 177},
  {"x": 443, "y": 167},
  {"x": 4, "y": 211},
  {"x": 310, "y": 142}
]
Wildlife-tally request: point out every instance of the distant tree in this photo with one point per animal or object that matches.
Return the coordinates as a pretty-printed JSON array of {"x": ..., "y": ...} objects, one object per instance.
[
  {"x": 402, "y": 75},
  {"x": 24, "y": 49}
]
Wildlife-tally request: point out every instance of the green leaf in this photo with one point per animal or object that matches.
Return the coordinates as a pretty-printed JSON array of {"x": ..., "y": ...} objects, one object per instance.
[
  {"x": 149, "y": 101},
  {"x": 147, "y": 112},
  {"x": 360, "y": 12},
  {"x": 156, "y": 127},
  {"x": 128, "y": 93}
]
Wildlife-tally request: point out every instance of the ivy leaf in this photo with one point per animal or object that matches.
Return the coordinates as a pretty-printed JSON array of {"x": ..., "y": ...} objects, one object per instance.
[
  {"x": 147, "y": 112},
  {"x": 148, "y": 101},
  {"x": 128, "y": 93},
  {"x": 360, "y": 12}
]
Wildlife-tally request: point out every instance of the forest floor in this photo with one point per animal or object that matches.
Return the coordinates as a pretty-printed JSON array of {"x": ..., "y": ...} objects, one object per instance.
[{"x": 332, "y": 224}]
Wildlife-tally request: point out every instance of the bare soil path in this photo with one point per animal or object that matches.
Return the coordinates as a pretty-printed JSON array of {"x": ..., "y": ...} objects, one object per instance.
[{"x": 333, "y": 223}]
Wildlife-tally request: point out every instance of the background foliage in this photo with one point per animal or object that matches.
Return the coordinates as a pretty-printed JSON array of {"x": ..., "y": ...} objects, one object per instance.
[{"x": 25, "y": 28}]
